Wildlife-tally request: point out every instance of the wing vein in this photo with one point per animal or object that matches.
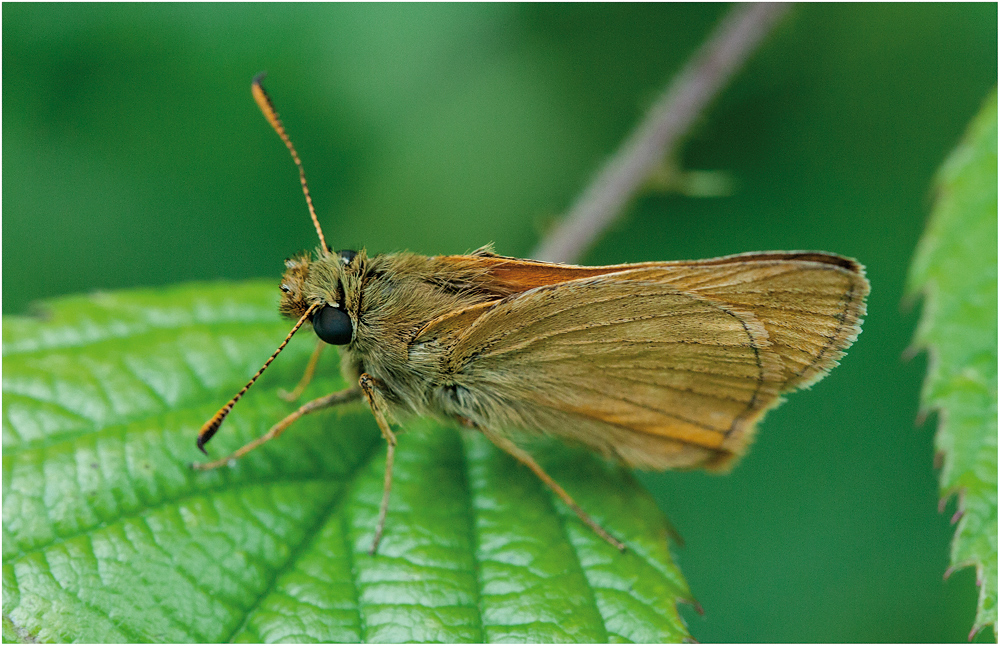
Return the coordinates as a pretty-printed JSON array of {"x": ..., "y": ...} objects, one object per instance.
[{"x": 643, "y": 406}]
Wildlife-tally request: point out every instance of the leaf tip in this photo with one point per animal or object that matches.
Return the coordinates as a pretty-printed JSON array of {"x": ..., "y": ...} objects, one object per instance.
[{"x": 694, "y": 604}]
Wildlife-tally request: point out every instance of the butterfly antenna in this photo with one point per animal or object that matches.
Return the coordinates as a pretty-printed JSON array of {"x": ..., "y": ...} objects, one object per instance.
[
  {"x": 212, "y": 425},
  {"x": 267, "y": 107}
]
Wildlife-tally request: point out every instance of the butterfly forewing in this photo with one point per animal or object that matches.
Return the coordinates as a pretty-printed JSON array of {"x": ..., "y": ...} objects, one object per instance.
[
  {"x": 661, "y": 365},
  {"x": 811, "y": 310}
]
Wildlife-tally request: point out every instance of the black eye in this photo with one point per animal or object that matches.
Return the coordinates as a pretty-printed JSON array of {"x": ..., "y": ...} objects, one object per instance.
[
  {"x": 332, "y": 325},
  {"x": 346, "y": 255}
]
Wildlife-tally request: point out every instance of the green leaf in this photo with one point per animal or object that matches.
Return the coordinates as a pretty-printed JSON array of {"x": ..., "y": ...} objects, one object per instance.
[
  {"x": 109, "y": 536},
  {"x": 956, "y": 268}
]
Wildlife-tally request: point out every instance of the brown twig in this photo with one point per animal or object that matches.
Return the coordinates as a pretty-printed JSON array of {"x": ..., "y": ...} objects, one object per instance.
[{"x": 705, "y": 74}]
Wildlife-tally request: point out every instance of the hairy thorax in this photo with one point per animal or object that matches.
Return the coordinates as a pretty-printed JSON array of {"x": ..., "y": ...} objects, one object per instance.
[{"x": 390, "y": 299}]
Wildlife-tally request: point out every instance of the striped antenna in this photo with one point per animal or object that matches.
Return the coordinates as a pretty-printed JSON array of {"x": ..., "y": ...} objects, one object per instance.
[
  {"x": 212, "y": 425},
  {"x": 267, "y": 107}
]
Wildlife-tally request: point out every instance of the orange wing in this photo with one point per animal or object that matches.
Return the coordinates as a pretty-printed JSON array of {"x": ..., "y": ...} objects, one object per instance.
[{"x": 660, "y": 364}]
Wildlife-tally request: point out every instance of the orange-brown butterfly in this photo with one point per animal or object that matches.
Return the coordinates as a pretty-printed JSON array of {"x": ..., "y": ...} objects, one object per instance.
[{"x": 659, "y": 365}]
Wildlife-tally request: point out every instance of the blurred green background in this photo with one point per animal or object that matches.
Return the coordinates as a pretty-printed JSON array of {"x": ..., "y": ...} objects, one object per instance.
[{"x": 134, "y": 155}]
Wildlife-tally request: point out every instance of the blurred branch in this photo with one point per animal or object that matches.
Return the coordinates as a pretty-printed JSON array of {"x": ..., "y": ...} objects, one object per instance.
[{"x": 705, "y": 74}]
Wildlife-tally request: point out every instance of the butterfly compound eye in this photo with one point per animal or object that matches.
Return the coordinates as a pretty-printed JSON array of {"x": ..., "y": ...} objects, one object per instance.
[
  {"x": 332, "y": 325},
  {"x": 346, "y": 255}
]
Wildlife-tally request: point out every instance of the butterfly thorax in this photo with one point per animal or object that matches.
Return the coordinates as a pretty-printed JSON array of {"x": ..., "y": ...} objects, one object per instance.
[{"x": 389, "y": 299}]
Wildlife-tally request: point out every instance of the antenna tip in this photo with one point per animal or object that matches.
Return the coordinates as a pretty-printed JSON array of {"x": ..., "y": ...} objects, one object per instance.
[
  {"x": 206, "y": 433},
  {"x": 260, "y": 77}
]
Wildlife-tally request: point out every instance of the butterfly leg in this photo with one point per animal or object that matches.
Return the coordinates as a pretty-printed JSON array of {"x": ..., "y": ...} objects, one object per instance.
[
  {"x": 339, "y": 397},
  {"x": 306, "y": 376},
  {"x": 377, "y": 404},
  {"x": 525, "y": 458}
]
